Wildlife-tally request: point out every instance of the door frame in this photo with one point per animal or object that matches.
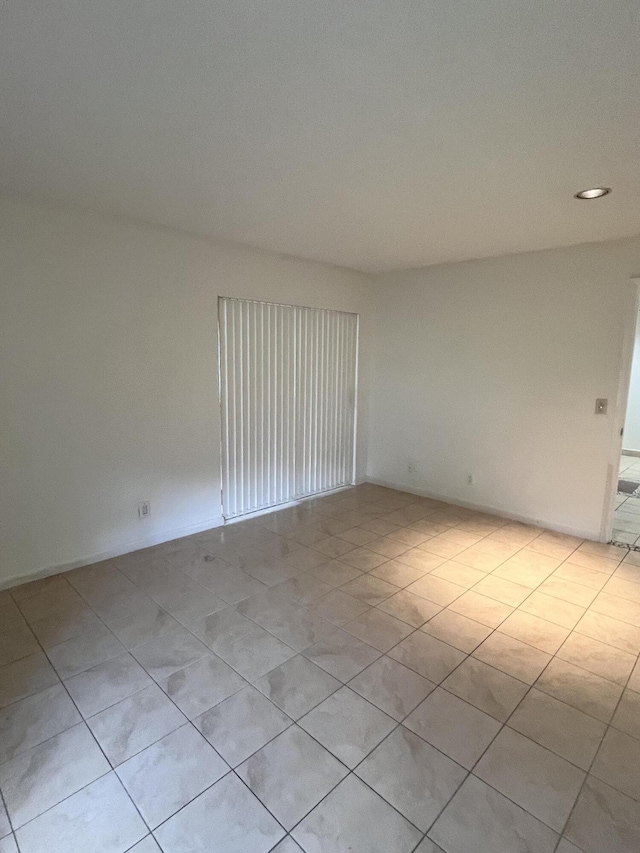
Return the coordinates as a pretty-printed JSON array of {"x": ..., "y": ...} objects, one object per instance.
[{"x": 620, "y": 408}]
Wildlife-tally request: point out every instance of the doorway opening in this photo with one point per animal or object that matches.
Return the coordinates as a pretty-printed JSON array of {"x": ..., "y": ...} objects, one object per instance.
[
  {"x": 623, "y": 519},
  {"x": 626, "y": 512}
]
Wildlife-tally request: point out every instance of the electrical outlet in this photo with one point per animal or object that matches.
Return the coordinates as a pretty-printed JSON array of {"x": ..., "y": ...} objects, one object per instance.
[
  {"x": 470, "y": 479},
  {"x": 144, "y": 509}
]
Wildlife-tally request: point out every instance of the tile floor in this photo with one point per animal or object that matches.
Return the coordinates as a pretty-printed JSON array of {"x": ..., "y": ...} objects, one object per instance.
[
  {"x": 626, "y": 516},
  {"x": 368, "y": 672}
]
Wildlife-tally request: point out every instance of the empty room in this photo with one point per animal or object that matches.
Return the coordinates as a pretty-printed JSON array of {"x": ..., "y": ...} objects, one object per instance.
[{"x": 319, "y": 426}]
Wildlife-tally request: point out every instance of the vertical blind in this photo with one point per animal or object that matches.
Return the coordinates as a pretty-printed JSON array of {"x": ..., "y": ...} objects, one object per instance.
[{"x": 287, "y": 394}]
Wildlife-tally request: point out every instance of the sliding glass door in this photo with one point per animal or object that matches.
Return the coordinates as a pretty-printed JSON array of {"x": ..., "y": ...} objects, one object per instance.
[{"x": 287, "y": 396}]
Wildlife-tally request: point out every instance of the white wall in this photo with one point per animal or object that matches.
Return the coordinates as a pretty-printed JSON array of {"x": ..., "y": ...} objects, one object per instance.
[
  {"x": 631, "y": 440},
  {"x": 108, "y": 377},
  {"x": 492, "y": 368}
]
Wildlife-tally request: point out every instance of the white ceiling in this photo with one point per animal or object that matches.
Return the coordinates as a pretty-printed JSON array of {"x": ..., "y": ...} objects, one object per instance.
[{"x": 375, "y": 134}]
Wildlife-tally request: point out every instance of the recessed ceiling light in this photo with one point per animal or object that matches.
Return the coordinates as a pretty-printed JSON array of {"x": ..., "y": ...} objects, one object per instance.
[{"x": 595, "y": 192}]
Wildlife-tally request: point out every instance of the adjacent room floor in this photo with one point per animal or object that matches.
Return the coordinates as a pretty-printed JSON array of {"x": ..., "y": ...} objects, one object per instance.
[
  {"x": 626, "y": 516},
  {"x": 368, "y": 672}
]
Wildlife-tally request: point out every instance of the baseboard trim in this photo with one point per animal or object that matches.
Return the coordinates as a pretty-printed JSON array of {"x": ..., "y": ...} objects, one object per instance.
[
  {"x": 118, "y": 551},
  {"x": 493, "y": 510},
  {"x": 630, "y": 452}
]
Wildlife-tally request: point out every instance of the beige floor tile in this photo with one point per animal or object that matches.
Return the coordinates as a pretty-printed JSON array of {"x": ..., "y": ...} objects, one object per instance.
[
  {"x": 627, "y": 589},
  {"x": 415, "y": 778},
  {"x": 369, "y": 589},
  {"x": 617, "y": 608},
  {"x": 201, "y": 685},
  {"x": 553, "y": 609},
  {"x": 531, "y": 559},
  {"x": 40, "y": 778},
  {"x": 604, "y": 819},
  {"x": 348, "y": 726},
  {"x": 498, "y": 549},
  {"x": 389, "y": 547},
  {"x": 435, "y": 589},
  {"x": 427, "y": 656},
  {"x": 297, "y": 685},
  {"x": 530, "y": 577},
  {"x": 334, "y": 573},
  {"x": 480, "y": 559},
  {"x": 618, "y": 763},
  {"x": 363, "y": 559},
  {"x": 378, "y": 629},
  {"x": 8, "y": 844},
  {"x": 106, "y": 684},
  {"x": 502, "y": 590},
  {"x": 342, "y": 655},
  {"x": 611, "y": 631},
  {"x": 392, "y": 687},
  {"x": 291, "y": 755},
  {"x": 303, "y": 589},
  {"x": 509, "y": 655},
  {"x": 253, "y": 652},
  {"x": 456, "y": 630},
  {"x": 578, "y": 574},
  {"x": 461, "y": 537},
  {"x": 16, "y": 641},
  {"x": 134, "y": 723},
  {"x": 114, "y": 823},
  {"x": 485, "y": 687},
  {"x": 453, "y": 726},
  {"x": 481, "y": 609},
  {"x": 84, "y": 651},
  {"x": 443, "y": 547},
  {"x": 397, "y": 573},
  {"x": 548, "y": 545},
  {"x": 410, "y": 538},
  {"x": 595, "y": 561},
  {"x": 25, "y": 677},
  {"x": 534, "y": 631},
  {"x": 357, "y": 536},
  {"x": 627, "y": 716},
  {"x": 533, "y": 777},
  {"x": 54, "y": 629},
  {"x": 242, "y": 724},
  {"x": 601, "y": 549},
  {"x": 481, "y": 820},
  {"x": 581, "y": 689},
  {"x": 167, "y": 775},
  {"x": 419, "y": 559},
  {"x": 410, "y": 608},
  {"x": 338, "y": 607},
  {"x": 355, "y": 818},
  {"x": 226, "y": 817},
  {"x": 566, "y": 847},
  {"x": 558, "y": 727},
  {"x": 568, "y": 591},
  {"x": 597, "y": 657},
  {"x": 171, "y": 650},
  {"x": 33, "y": 720},
  {"x": 58, "y": 600},
  {"x": 458, "y": 574}
]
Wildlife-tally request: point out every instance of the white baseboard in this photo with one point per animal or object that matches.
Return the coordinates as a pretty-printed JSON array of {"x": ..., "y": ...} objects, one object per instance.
[
  {"x": 630, "y": 452},
  {"x": 492, "y": 510},
  {"x": 118, "y": 551}
]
